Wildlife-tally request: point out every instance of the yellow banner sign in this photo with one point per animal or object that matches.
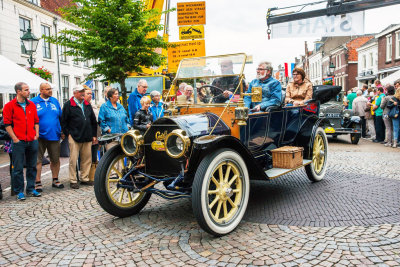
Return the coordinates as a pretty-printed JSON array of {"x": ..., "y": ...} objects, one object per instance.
[
  {"x": 191, "y": 32},
  {"x": 191, "y": 13},
  {"x": 182, "y": 50}
]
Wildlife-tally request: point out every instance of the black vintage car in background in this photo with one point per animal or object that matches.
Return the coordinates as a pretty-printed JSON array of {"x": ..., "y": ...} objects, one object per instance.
[
  {"x": 209, "y": 151},
  {"x": 341, "y": 120}
]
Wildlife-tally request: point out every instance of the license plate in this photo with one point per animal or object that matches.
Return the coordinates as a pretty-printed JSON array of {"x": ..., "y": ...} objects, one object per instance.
[
  {"x": 329, "y": 130},
  {"x": 333, "y": 115}
]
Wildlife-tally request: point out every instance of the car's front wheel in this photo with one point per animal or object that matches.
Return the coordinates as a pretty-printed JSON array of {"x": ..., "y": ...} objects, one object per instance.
[
  {"x": 113, "y": 198},
  {"x": 220, "y": 192},
  {"x": 317, "y": 168}
]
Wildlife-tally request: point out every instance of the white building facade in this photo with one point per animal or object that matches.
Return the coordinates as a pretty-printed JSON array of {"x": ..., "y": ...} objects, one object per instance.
[
  {"x": 16, "y": 16},
  {"x": 315, "y": 68},
  {"x": 367, "y": 63}
]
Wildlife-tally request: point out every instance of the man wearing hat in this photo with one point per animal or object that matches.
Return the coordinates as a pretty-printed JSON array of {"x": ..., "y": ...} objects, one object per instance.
[{"x": 78, "y": 123}]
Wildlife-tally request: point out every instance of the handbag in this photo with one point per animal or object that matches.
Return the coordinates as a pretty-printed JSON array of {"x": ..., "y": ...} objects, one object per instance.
[{"x": 394, "y": 112}]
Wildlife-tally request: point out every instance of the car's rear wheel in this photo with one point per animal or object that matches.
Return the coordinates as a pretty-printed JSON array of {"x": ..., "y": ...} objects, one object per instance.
[
  {"x": 317, "y": 168},
  {"x": 220, "y": 192},
  {"x": 115, "y": 200},
  {"x": 355, "y": 138}
]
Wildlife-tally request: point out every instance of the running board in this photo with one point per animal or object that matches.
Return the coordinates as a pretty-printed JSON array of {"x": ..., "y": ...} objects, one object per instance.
[{"x": 276, "y": 172}]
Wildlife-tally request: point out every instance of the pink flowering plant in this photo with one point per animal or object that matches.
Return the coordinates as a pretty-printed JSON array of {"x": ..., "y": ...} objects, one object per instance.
[{"x": 41, "y": 72}]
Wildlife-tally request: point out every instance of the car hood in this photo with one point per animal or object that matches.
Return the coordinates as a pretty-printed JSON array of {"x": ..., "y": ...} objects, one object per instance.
[{"x": 194, "y": 125}]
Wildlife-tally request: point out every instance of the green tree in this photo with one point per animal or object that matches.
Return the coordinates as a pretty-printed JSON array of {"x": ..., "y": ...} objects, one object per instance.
[{"x": 119, "y": 34}]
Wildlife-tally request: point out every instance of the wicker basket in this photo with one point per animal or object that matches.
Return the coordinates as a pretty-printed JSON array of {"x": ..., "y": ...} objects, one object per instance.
[{"x": 287, "y": 157}]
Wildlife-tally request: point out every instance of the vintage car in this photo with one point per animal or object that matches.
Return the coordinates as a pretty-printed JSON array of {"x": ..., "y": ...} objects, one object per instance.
[
  {"x": 210, "y": 151},
  {"x": 341, "y": 121}
]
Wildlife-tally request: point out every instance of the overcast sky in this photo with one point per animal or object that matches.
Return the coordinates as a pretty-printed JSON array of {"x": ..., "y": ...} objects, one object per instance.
[{"x": 235, "y": 26}]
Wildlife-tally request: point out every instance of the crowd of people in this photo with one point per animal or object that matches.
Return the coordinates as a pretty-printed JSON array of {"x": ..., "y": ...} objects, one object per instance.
[
  {"x": 378, "y": 109},
  {"x": 38, "y": 125}
]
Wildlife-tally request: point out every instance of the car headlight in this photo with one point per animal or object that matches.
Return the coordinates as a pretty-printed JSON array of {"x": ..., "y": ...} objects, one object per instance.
[
  {"x": 177, "y": 143},
  {"x": 347, "y": 113},
  {"x": 131, "y": 142}
]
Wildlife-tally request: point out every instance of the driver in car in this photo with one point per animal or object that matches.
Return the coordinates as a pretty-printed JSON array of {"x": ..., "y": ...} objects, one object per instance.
[
  {"x": 227, "y": 84},
  {"x": 271, "y": 89}
]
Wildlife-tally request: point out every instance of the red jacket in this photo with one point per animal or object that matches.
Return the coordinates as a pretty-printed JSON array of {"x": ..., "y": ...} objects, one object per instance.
[{"x": 22, "y": 123}]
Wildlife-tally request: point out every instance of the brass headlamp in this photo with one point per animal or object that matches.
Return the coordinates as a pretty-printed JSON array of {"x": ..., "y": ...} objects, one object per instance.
[
  {"x": 131, "y": 142},
  {"x": 177, "y": 143}
]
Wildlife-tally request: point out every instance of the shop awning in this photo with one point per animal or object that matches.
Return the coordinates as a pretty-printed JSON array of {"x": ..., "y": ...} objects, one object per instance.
[
  {"x": 11, "y": 73},
  {"x": 366, "y": 78},
  {"x": 391, "y": 78}
]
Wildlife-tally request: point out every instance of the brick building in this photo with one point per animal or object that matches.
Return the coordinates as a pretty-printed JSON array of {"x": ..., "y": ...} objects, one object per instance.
[{"x": 389, "y": 53}]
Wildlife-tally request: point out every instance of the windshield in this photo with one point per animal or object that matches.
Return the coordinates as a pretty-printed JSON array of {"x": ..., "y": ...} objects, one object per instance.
[
  {"x": 204, "y": 67},
  {"x": 338, "y": 99},
  {"x": 209, "y": 80}
]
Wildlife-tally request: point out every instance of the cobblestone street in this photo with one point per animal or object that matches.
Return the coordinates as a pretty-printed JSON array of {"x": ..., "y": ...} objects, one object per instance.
[{"x": 350, "y": 218}]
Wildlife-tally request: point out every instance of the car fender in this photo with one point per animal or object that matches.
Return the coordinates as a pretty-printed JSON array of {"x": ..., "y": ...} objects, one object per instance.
[
  {"x": 205, "y": 145},
  {"x": 305, "y": 137}
]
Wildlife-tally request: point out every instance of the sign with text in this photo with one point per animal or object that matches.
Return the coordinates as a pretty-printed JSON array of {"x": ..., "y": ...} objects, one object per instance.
[
  {"x": 342, "y": 25},
  {"x": 191, "y": 32},
  {"x": 191, "y": 13},
  {"x": 184, "y": 50}
]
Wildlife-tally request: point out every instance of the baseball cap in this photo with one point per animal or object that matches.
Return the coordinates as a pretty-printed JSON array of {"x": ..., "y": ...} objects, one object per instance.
[{"x": 79, "y": 88}]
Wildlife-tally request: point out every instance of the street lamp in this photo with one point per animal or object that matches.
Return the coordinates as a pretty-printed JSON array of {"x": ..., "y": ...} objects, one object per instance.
[{"x": 30, "y": 42}]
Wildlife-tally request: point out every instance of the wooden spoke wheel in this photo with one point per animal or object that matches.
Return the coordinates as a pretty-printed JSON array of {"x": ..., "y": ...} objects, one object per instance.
[
  {"x": 112, "y": 198},
  {"x": 317, "y": 168},
  {"x": 220, "y": 192}
]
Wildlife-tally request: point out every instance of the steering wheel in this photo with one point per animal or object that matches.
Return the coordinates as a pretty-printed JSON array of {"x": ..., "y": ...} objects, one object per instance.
[{"x": 212, "y": 98}]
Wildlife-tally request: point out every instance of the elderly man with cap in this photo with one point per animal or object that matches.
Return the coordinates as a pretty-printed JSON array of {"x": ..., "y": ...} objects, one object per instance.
[{"x": 78, "y": 122}]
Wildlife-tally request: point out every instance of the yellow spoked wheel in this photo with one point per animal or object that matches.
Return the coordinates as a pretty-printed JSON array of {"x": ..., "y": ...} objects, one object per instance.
[
  {"x": 116, "y": 200},
  {"x": 316, "y": 170},
  {"x": 318, "y": 153},
  {"x": 220, "y": 191},
  {"x": 224, "y": 192},
  {"x": 121, "y": 196}
]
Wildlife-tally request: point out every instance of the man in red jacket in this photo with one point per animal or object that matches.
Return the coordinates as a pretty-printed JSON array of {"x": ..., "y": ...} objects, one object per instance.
[{"x": 22, "y": 124}]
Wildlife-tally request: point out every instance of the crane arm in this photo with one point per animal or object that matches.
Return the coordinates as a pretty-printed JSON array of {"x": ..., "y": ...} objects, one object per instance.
[{"x": 334, "y": 7}]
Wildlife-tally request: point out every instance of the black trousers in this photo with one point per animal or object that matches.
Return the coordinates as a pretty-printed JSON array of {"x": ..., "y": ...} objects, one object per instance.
[
  {"x": 363, "y": 126},
  {"x": 379, "y": 128}
]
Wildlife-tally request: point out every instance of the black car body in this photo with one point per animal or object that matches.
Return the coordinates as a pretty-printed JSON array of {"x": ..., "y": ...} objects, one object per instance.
[{"x": 209, "y": 152}]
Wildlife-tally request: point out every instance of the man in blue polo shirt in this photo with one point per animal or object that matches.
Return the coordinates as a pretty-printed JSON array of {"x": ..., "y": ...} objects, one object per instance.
[{"x": 49, "y": 112}]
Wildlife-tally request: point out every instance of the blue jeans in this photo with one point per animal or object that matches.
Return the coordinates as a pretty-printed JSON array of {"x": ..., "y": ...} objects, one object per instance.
[
  {"x": 20, "y": 151},
  {"x": 396, "y": 124}
]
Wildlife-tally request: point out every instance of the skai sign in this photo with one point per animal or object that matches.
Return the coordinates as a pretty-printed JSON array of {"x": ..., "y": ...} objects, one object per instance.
[{"x": 348, "y": 24}]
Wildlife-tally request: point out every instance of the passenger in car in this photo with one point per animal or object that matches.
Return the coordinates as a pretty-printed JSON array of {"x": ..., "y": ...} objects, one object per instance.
[
  {"x": 187, "y": 97},
  {"x": 300, "y": 90},
  {"x": 271, "y": 89}
]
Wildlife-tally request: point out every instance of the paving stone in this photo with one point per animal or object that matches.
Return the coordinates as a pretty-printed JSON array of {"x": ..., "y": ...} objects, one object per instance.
[{"x": 68, "y": 227}]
